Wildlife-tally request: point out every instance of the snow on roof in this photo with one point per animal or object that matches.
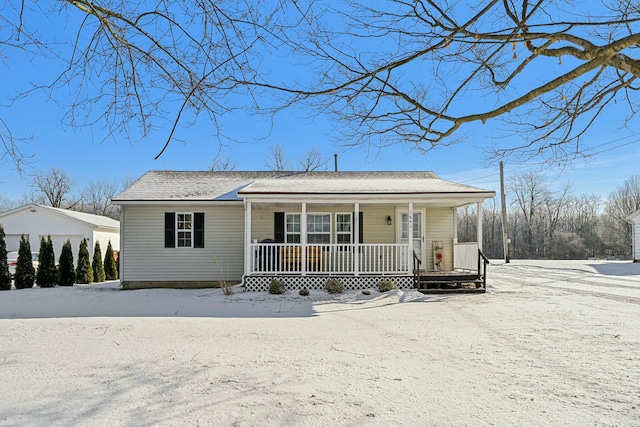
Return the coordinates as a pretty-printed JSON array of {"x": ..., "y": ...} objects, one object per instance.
[
  {"x": 194, "y": 186},
  {"x": 95, "y": 220},
  {"x": 201, "y": 186}
]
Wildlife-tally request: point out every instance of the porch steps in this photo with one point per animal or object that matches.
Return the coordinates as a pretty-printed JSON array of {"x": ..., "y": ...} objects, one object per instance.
[
  {"x": 452, "y": 291},
  {"x": 439, "y": 282}
]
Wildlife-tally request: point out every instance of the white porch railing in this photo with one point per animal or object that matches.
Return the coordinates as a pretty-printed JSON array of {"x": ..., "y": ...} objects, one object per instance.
[
  {"x": 465, "y": 256},
  {"x": 369, "y": 258}
]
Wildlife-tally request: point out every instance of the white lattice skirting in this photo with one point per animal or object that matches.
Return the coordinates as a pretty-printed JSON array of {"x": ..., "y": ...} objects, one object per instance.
[{"x": 351, "y": 283}]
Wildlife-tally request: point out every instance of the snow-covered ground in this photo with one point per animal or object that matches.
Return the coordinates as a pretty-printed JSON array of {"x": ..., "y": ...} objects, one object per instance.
[{"x": 550, "y": 343}]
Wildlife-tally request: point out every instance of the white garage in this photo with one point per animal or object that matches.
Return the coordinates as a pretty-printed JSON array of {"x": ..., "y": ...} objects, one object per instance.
[
  {"x": 36, "y": 221},
  {"x": 634, "y": 219}
]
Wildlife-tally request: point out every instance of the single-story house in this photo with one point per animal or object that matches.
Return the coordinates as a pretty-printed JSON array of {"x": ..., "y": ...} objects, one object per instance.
[
  {"x": 199, "y": 229},
  {"x": 634, "y": 219},
  {"x": 36, "y": 221}
]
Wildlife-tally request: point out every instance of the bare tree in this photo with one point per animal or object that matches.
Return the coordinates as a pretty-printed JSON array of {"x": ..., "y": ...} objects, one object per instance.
[
  {"x": 414, "y": 72},
  {"x": 410, "y": 72},
  {"x": 96, "y": 198},
  {"x": 528, "y": 191},
  {"x": 277, "y": 160},
  {"x": 55, "y": 187},
  {"x": 312, "y": 161},
  {"x": 614, "y": 229},
  {"x": 220, "y": 164},
  {"x": 132, "y": 66}
]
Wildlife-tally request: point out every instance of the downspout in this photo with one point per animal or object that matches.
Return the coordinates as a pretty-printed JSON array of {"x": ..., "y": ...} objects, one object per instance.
[
  {"x": 303, "y": 239},
  {"x": 356, "y": 240},
  {"x": 247, "y": 239},
  {"x": 121, "y": 256}
]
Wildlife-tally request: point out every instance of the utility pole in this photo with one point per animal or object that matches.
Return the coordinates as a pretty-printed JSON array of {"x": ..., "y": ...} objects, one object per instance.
[{"x": 505, "y": 229}]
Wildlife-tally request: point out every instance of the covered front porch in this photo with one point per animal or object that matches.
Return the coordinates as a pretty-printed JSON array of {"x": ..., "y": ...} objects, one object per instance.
[{"x": 359, "y": 243}]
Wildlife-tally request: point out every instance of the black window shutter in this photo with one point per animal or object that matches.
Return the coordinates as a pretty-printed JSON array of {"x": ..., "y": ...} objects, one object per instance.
[
  {"x": 198, "y": 238},
  {"x": 278, "y": 227},
  {"x": 360, "y": 226},
  {"x": 169, "y": 229}
]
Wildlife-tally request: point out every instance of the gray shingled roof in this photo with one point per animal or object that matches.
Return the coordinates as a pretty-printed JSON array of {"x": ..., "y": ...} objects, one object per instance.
[
  {"x": 91, "y": 219},
  {"x": 201, "y": 186}
]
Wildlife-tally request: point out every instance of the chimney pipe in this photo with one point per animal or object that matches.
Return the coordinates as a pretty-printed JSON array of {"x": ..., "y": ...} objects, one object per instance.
[{"x": 335, "y": 162}]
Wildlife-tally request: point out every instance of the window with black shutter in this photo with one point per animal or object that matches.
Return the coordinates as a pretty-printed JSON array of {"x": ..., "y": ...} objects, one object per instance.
[{"x": 184, "y": 230}]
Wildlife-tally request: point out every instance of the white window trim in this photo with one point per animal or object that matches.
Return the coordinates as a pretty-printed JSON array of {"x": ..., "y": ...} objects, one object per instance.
[
  {"x": 190, "y": 231},
  {"x": 286, "y": 232},
  {"x": 350, "y": 233},
  {"x": 331, "y": 225}
]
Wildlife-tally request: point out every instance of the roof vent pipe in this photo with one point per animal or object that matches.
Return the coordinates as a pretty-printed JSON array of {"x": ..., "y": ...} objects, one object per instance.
[{"x": 335, "y": 163}]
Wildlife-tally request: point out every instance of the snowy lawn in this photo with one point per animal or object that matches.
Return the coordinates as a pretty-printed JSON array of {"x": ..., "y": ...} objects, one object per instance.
[{"x": 550, "y": 343}]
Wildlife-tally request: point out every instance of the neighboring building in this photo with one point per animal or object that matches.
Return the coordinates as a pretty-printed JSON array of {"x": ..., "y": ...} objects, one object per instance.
[
  {"x": 36, "y": 221},
  {"x": 197, "y": 229},
  {"x": 634, "y": 219}
]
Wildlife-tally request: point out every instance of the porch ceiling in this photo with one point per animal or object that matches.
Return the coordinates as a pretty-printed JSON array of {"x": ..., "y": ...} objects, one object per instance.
[{"x": 313, "y": 203}]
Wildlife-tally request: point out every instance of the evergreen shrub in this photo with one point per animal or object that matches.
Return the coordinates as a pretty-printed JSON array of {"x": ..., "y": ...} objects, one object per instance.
[
  {"x": 276, "y": 286},
  {"x": 98, "y": 265},
  {"x": 66, "y": 270},
  {"x": 84, "y": 271},
  {"x": 47, "y": 275},
  {"x": 110, "y": 267},
  {"x": 386, "y": 285},
  {"x": 334, "y": 286},
  {"x": 5, "y": 276},
  {"x": 25, "y": 273}
]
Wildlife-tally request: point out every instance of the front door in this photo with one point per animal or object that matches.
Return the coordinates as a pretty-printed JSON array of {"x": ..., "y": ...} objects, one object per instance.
[{"x": 418, "y": 230}]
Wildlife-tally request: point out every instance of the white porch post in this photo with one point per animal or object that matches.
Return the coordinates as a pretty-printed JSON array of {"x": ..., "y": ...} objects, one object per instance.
[
  {"x": 247, "y": 237},
  {"x": 356, "y": 238},
  {"x": 479, "y": 227},
  {"x": 303, "y": 239},
  {"x": 410, "y": 238}
]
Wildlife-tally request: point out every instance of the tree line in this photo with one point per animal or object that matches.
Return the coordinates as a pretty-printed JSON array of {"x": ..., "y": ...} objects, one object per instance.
[
  {"x": 57, "y": 189},
  {"x": 547, "y": 224}
]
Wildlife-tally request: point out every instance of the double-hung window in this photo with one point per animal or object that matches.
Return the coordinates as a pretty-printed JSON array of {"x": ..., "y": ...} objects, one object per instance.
[
  {"x": 292, "y": 229},
  {"x": 319, "y": 228},
  {"x": 184, "y": 230},
  {"x": 344, "y": 229},
  {"x": 184, "y": 227}
]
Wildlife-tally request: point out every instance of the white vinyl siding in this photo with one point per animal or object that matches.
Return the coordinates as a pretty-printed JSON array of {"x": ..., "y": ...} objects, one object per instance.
[
  {"x": 439, "y": 226},
  {"x": 635, "y": 239},
  {"x": 144, "y": 257}
]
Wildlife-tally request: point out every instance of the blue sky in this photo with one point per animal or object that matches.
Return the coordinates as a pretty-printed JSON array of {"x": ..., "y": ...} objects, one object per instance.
[{"x": 84, "y": 154}]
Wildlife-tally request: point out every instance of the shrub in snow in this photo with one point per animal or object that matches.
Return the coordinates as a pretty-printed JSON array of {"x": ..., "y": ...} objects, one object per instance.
[
  {"x": 386, "y": 285},
  {"x": 304, "y": 292},
  {"x": 84, "y": 271},
  {"x": 110, "y": 268},
  {"x": 25, "y": 273},
  {"x": 66, "y": 271},
  {"x": 97, "y": 265},
  {"x": 47, "y": 275},
  {"x": 334, "y": 286},
  {"x": 5, "y": 277},
  {"x": 276, "y": 286}
]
